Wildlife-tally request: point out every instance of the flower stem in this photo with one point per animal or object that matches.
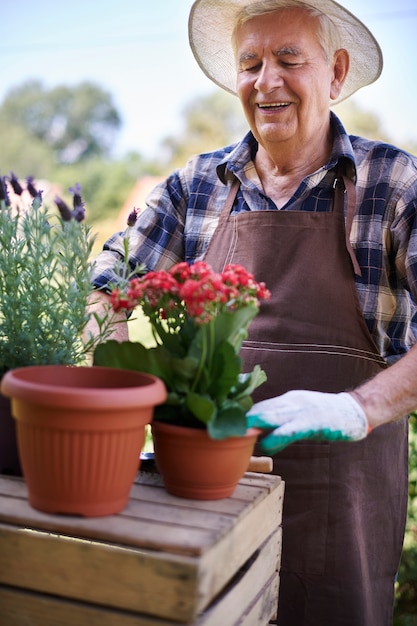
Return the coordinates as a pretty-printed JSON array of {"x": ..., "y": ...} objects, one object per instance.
[
  {"x": 203, "y": 357},
  {"x": 210, "y": 347}
]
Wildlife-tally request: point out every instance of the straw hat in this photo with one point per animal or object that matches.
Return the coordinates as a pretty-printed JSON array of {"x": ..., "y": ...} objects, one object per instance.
[{"x": 211, "y": 25}]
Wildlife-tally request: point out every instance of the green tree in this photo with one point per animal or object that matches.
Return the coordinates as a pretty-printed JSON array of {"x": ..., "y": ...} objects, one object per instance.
[
  {"x": 105, "y": 183},
  {"x": 365, "y": 123},
  {"x": 209, "y": 122},
  {"x": 358, "y": 121},
  {"x": 21, "y": 152},
  {"x": 77, "y": 123},
  {"x": 63, "y": 136}
]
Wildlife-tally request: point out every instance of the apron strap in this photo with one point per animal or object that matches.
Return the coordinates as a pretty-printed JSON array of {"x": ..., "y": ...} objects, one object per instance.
[
  {"x": 228, "y": 205},
  {"x": 344, "y": 185}
]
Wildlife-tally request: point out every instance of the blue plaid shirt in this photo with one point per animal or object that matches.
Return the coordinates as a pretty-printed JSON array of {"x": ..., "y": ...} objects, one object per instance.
[{"x": 182, "y": 214}]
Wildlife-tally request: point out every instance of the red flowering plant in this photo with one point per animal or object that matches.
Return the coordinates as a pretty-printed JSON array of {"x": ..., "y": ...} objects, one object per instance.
[{"x": 199, "y": 319}]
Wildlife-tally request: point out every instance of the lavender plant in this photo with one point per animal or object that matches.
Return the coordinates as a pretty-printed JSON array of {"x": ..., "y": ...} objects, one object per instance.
[{"x": 45, "y": 269}]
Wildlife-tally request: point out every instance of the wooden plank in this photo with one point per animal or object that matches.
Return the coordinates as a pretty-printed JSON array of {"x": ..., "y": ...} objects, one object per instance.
[
  {"x": 16, "y": 487},
  {"x": 122, "y": 530},
  {"x": 102, "y": 573},
  {"x": 264, "y": 607},
  {"x": 155, "y": 479},
  {"x": 250, "y": 479},
  {"x": 138, "y": 580},
  {"x": 204, "y": 524},
  {"x": 25, "y": 608},
  {"x": 168, "y": 556},
  {"x": 234, "y": 548},
  {"x": 254, "y": 590},
  {"x": 250, "y": 599},
  {"x": 20, "y": 608}
]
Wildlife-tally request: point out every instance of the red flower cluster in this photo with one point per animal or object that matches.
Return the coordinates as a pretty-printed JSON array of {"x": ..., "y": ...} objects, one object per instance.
[{"x": 192, "y": 291}]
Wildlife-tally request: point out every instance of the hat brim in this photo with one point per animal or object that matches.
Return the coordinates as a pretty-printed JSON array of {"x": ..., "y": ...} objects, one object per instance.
[{"x": 211, "y": 25}]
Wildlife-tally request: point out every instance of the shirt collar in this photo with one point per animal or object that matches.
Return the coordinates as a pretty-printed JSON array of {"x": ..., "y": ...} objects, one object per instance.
[
  {"x": 244, "y": 151},
  {"x": 241, "y": 154},
  {"x": 342, "y": 152}
]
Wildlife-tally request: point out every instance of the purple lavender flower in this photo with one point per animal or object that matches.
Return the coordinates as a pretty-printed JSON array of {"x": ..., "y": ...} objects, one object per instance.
[
  {"x": 31, "y": 187},
  {"x": 76, "y": 192},
  {"x": 78, "y": 203},
  {"x": 132, "y": 217},
  {"x": 64, "y": 209},
  {"x": 4, "y": 194},
  {"x": 79, "y": 213},
  {"x": 16, "y": 186}
]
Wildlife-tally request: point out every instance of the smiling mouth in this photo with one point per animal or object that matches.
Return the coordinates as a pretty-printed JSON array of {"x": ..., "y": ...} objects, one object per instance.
[{"x": 273, "y": 106}]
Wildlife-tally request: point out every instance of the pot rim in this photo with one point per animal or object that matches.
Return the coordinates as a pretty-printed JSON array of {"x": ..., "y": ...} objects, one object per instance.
[
  {"x": 188, "y": 431},
  {"x": 109, "y": 387}
]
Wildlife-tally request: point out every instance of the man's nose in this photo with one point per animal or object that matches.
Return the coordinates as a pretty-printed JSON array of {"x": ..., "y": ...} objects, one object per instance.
[{"x": 269, "y": 77}]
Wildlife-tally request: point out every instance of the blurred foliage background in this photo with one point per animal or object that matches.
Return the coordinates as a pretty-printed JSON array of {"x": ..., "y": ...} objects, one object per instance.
[
  {"x": 65, "y": 135},
  {"x": 405, "y": 613}
]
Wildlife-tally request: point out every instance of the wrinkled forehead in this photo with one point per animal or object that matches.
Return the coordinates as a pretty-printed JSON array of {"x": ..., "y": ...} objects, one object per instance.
[{"x": 293, "y": 29}]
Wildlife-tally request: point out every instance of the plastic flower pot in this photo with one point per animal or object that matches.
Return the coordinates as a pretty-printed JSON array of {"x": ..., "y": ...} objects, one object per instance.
[
  {"x": 80, "y": 431},
  {"x": 195, "y": 466}
]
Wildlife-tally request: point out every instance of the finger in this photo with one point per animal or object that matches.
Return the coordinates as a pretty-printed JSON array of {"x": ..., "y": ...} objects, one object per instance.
[
  {"x": 276, "y": 442},
  {"x": 258, "y": 421}
]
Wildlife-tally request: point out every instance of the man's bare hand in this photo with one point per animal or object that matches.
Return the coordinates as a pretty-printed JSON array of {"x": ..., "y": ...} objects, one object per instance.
[{"x": 103, "y": 322}]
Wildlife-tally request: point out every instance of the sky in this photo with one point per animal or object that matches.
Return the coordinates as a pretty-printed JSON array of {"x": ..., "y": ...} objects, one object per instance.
[{"x": 138, "y": 51}]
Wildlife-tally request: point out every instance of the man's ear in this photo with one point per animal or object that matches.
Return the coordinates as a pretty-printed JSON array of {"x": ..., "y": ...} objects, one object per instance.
[{"x": 340, "y": 71}]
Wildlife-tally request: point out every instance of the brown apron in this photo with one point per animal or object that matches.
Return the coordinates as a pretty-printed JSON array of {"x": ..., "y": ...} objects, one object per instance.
[{"x": 345, "y": 503}]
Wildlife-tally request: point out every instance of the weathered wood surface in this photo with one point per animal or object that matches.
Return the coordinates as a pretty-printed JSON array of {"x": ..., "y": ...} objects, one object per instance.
[{"x": 163, "y": 560}]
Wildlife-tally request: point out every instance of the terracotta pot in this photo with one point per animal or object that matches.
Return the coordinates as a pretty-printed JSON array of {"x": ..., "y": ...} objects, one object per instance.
[
  {"x": 9, "y": 455},
  {"x": 80, "y": 431},
  {"x": 195, "y": 466}
]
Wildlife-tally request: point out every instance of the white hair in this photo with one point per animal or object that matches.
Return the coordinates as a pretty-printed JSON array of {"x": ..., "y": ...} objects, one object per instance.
[{"x": 328, "y": 32}]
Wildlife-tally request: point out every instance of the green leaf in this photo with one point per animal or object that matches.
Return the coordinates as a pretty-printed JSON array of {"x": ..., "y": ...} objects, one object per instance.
[
  {"x": 230, "y": 421},
  {"x": 132, "y": 355},
  {"x": 185, "y": 368},
  {"x": 232, "y": 326},
  {"x": 245, "y": 402},
  {"x": 202, "y": 407},
  {"x": 172, "y": 341},
  {"x": 248, "y": 382},
  {"x": 224, "y": 372}
]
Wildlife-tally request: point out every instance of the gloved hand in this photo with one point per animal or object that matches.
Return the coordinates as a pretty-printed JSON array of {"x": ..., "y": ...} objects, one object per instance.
[{"x": 308, "y": 415}]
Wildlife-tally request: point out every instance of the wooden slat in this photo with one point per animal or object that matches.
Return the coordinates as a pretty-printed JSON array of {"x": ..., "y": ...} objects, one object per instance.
[
  {"x": 144, "y": 581},
  {"x": 250, "y": 599},
  {"x": 102, "y": 573},
  {"x": 264, "y": 607},
  {"x": 253, "y": 591},
  {"x": 204, "y": 523},
  {"x": 162, "y": 555},
  {"x": 234, "y": 548},
  {"x": 24, "y": 608},
  {"x": 123, "y": 530}
]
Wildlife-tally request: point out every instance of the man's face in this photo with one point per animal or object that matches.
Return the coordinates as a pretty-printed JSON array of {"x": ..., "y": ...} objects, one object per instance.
[{"x": 283, "y": 79}]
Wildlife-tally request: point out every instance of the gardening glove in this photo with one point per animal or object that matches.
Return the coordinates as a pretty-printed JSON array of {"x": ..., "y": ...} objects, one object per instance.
[{"x": 308, "y": 415}]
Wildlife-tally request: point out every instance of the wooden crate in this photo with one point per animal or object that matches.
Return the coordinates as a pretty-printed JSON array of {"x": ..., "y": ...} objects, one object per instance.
[{"x": 163, "y": 561}]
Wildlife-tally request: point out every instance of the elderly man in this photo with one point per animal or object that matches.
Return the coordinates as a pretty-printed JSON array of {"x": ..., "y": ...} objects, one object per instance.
[{"x": 328, "y": 221}]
